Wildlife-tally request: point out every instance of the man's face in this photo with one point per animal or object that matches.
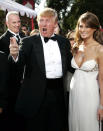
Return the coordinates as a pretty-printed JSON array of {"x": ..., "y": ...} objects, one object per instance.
[
  {"x": 24, "y": 29},
  {"x": 46, "y": 26},
  {"x": 14, "y": 23}
]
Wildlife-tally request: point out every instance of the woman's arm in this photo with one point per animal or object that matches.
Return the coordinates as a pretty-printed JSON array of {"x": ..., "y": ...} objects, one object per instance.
[{"x": 100, "y": 80}]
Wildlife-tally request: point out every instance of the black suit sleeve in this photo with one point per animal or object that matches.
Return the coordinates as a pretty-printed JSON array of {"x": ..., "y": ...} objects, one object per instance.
[
  {"x": 69, "y": 57},
  {"x": 4, "y": 74}
]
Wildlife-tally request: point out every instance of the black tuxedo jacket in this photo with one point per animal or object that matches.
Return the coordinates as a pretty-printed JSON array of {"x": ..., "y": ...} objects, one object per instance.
[
  {"x": 15, "y": 76},
  {"x": 32, "y": 93},
  {"x": 5, "y": 42},
  {"x": 4, "y": 74}
]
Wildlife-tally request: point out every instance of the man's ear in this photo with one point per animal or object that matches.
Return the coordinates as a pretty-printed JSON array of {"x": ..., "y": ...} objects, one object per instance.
[
  {"x": 6, "y": 23},
  {"x": 56, "y": 24}
]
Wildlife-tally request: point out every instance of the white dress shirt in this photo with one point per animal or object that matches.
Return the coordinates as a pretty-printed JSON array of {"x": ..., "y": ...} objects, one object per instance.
[{"x": 52, "y": 57}]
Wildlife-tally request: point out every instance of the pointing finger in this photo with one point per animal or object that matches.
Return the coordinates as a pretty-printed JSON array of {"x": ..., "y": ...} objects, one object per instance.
[{"x": 13, "y": 40}]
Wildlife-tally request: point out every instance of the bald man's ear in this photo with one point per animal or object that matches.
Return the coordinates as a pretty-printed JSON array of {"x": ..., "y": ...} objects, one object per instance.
[{"x": 6, "y": 23}]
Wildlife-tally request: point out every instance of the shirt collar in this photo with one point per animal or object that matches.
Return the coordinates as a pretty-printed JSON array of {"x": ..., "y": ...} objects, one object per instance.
[
  {"x": 13, "y": 32},
  {"x": 43, "y": 37}
]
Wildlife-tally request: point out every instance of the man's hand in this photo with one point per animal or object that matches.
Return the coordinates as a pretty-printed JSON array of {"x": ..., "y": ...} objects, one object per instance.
[{"x": 14, "y": 48}]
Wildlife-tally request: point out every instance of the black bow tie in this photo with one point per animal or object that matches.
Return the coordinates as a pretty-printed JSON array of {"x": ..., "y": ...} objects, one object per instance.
[{"x": 47, "y": 38}]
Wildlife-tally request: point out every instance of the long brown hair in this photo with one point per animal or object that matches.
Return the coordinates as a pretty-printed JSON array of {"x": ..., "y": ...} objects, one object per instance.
[{"x": 92, "y": 21}]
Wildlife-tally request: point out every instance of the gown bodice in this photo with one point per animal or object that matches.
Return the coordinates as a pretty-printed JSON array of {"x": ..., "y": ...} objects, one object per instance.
[{"x": 87, "y": 66}]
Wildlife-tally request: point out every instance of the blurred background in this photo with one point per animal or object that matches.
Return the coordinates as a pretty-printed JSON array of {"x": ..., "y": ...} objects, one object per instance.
[{"x": 68, "y": 11}]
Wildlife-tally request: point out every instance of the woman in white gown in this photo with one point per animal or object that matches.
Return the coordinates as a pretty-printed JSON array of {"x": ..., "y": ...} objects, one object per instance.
[{"x": 86, "y": 87}]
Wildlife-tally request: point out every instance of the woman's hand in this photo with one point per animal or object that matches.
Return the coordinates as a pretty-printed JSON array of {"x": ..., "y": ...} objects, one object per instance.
[{"x": 100, "y": 114}]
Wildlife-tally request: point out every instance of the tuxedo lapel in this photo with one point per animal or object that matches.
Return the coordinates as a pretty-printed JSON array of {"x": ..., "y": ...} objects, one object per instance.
[
  {"x": 9, "y": 34},
  {"x": 17, "y": 37},
  {"x": 5, "y": 42},
  {"x": 38, "y": 47}
]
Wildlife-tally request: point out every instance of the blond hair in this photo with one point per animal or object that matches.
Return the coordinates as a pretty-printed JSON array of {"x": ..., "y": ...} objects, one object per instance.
[
  {"x": 33, "y": 32},
  {"x": 49, "y": 12}
]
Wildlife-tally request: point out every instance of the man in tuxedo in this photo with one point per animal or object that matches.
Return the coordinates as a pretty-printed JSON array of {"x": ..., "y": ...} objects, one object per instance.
[
  {"x": 3, "y": 91},
  {"x": 46, "y": 57},
  {"x": 13, "y": 26}
]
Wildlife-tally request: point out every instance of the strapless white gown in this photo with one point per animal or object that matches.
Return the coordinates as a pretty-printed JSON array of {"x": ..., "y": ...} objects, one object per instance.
[{"x": 84, "y": 97}]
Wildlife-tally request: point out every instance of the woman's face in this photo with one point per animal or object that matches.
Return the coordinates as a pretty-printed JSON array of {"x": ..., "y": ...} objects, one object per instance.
[
  {"x": 71, "y": 38},
  {"x": 85, "y": 31}
]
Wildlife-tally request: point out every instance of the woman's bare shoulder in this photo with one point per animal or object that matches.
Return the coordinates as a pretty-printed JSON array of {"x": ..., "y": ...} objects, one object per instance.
[{"x": 100, "y": 50}]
